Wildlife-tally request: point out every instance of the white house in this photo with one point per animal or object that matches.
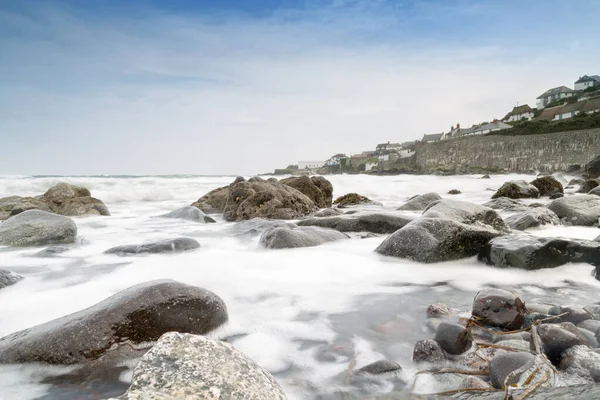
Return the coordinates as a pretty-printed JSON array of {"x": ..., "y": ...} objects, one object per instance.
[
  {"x": 335, "y": 160},
  {"x": 570, "y": 110},
  {"x": 586, "y": 82},
  {"x": 310, "y": 164},
  {"x": 370, "y": 165},
  {"x": 493, "y": 126},
  {"x": 386, "y": 147},
  {"x": 519, "y": 113},
  {"x": 550, "y": 95},
  {"x": 434, "y": 137}
]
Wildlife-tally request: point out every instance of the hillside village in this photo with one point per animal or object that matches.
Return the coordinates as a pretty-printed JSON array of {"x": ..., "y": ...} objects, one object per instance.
[{"x": 555, "y": 104}]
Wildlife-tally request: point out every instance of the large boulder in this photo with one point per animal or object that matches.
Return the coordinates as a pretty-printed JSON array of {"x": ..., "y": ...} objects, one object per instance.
[
  {"x": 577, "y": 210},
  {"x": 583, "y": 361},
  {"x": 532, "y": 218},
  {"x": 316, "y": 188},
  {"x": 506, "y": 204},
  {"x": 176, "y": 245},
  {"x": 593, "y": 167},
  {"x": 189, "y": 213},
  {"x": 436, "y": 239},
  {"x": 517, "y": 190},
  {"x": 420, "y": 202},
  {"x": 136, "y": 315},
  {"x": 588, "y": 185},
  {"x": 548, "y": 185},
  {"x": 467, "y": 213},
  {"x": 503, "y": 364},
  {"x": 351, "y": 199},
  {"x": 557, "y": 338},
  {"x": 214, "y": 201},
  {"x": 499, "y": 308},
  {"x": 374, "y": 223},
  {"x": 34, "y": 227},
  {"x": 453, "y": 338},
  {"x": 532, "y": 252},
  {"x": 184, "y": 366},
  {"x": 292, "y": 237},
  {"x": 8, "y": 278}
]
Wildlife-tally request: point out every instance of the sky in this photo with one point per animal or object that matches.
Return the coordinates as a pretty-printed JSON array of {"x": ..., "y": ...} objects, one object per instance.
[{"x": 243, "y": 87}]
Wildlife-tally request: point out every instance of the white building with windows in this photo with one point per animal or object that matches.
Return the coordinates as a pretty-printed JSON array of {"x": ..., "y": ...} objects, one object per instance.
[
  {"x": 310, "y": 164},
  {"x": 587, "y": 82},
  {"x": 519, "y": 113},
  {"x": 550, "y": 95}
]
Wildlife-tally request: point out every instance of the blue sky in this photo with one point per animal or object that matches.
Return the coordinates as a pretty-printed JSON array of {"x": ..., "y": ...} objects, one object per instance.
[{"x": 241, "y": 87}]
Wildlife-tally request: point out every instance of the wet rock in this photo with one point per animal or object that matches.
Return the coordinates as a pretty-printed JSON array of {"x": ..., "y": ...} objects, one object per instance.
[
  {"x": 592, "y": 341},
  {"x": 420, "y": 202},
  {"x": 473, "y": 382},
  {"x": 380, "y": 367},
  {"x": 189, "y": 213},
  {"x": 517, "y": 190},
  {"x": 592, "y": 325},
  {"x": 214, "y": 201},
  {"x": 521, "y": 345},
  {"x": 435, "y": 239},
  {"x": 316, "y": 188},
  {"x": 593, "y": 309},
  {"x": 438, "y": 310},
  {"x": 503, "y": 364},
  {"x": 588, "y": 185},
  {"x": 374, "y": 223},
  {"x": 256, "y": 227},
  {"x": 52, "y": 251},
  {"x": 486, "y": 177},
  {"x": 557, "y": 338},
  {"x": 454, "y": 191},
  {"x": 327, "y": 212},
  {"x": 595, "y": 191},
  {"x": 573, "y": 314},
  {"x": 520, "y": 336},
  {"x": 577, "y": 210},
  {"x": 176, "y": 245},
  {"x": 428, "y": 351},
  {"x": 548, "y": 185},
  {"x": 36, "y": 227},
  {"x": 351, "y": 199},
  {"x": 499, "y": 308},
  {"x": 506, "y": 204},
  {"x": 533, "y": 317},
  {"x": 578, "y": 392},
  {"x": 134, "y": 316},
  {"x": 532, "y": 219},
  {"x": 556, "y": 196},
  {"x": 8, "y": 278},
  {"x": 532, "y": 252},
  {"x": 453, "y": 338},
  {"x": 301, "y": 236},
  {"x": 593, "y": 167},
  {"x": 467, "y": 213},
  {"x": 190, "y": 366},
  {"x": 582, "y": 361}
]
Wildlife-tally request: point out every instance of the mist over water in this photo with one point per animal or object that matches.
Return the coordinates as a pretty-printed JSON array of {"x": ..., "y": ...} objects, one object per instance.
[{"x": 286, "y": 307}]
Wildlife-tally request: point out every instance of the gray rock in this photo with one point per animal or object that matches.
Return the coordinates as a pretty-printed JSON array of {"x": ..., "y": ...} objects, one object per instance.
[
  {"x": 517, "y": 190},
  {"x": 189, "y": 213},
  {"x": 189, "y": 366},
  {"x": 374, "y": 223},
  {"x": 505, "y": 363},
  {"x": 438, "y": 310},
  {"x": 467, "y": 213},
  {"x": 380, "y": 367},
  {"x": 557, "y": 338},
  {"x": 316, "y": 188},
  {"x": 52, "y": 251},
  {"x": 327, "y": 212},
  {"x": 36, "y": 227},
  {"x": 592, "y": 341},
  {"x": 595, "y": 191},
  {"x": 574, "y": 315},
  {"x": 453, "y": 338},
  {"x": 139, "y": 314},
  {"x": 588, "y": 185},
  {"x": 520, "y": 336},
  {"x": 8, "y": 278},
  {"x": 256, "y": 227},
  {"x": 516, "y": 344},
  {"x": 435, "y": 239},
  {"x": 428, "y": 350},
  {"x": 577, "y": 210},
  {"x": 592, "y": 325},
  {"x": 578, "y": 392},
  {"x": 593, "y": 167},
  {"x": 556, "y": 196},
  {"x": 548, "y": 185},
  {"x": 581, "y": 360},
  {"x": 420, "y": 202},
  {"x": 532, "y": 218},
  {"x": 506, "y": 204},
  {"x": 499, "y": 308},
  {"x": 176, "y": 245},
  {"x": 214, "y": 201},
  {"x": 301, "y": 236},
  {"x": 473, "y": 382}
]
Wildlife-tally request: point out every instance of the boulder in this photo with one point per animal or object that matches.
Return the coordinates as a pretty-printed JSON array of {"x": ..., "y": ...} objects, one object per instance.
[
  {"x": 595, "y": 191},
  {"x": 578, "y": 391},
  {"x": 592, "y": 325},
  {"x": 577, "y": 210},
  {"x": 593, "y": 167},
  {"x": 52, "y": 251},
  {"x": 351, "y": 199},
  {"x": 71, "y": 200},
  {"x": 575, "y": 315},
  {"x": 34, "y": 227},
  {"x": 15, "y": 205},
  {"x": 214, "y": 201},
  {"x": 499, "y": 308},
  {"x": 189, "y": 213},
  {"x": 256, "y": 227},
  {"x": 517, "y": 190},
  {"x": 557, "y": 338},
  {"x": 473, "y": 382},
  {"x": 327, "y": 212},
  {"x": 299, "y": 236},
  {"x": 588, "y": 185},
  {"x": 532, "y": 252},
  {"x": 316, "y": 188},
  {"x": 374, "y": 223},
  {"x": 556, "y": 196},
  {"x": 176, "y": 245},
  {"x": 184, "y": 366},
  {"x": 428, "y": 351},
  {"x": 548, "y": 185},
  {"x": 136, "y": 315},
  {"x": 453, "y": 338},
  {"x": 581, "y": 360},
  {"x": 532, "y": 218},
  {"x": 454, "y": 191},
  {"x": 438, "y": 310},
  {"x": 436, "y": 239},
  {"x": 506, "y": 204},
  {"x": 486, "y": 177},
  {"x": 420, "y": 202},
  {"x": 503, "y": 364},
  {"x": 467, "y": 213},
  {"x": 8, "y": 278},
  {"x": 380, "y": 367}
]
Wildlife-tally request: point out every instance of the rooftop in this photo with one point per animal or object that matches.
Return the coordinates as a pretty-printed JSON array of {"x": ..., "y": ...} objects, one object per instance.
[
  {"x": 519, "y": 110},
  {"x": 556, "y": 90},
  {"x": 433, "y": 136},
  {"x": 588, "y": 78}
]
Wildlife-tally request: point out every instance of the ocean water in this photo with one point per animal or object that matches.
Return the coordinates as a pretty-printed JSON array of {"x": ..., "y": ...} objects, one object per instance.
[{"x": 304, "y": 314}]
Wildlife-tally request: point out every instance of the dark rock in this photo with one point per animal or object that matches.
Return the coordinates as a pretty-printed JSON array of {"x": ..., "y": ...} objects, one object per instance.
[
  {"x": 573, "y": 168},
  {"x": 506, "y": 204},
  {"x": 301, "y": 236},
  {"x": 573, "y": 315},
  {"x": 454, "y": 191},
  {"x": 593, "y": 167},
  {"x": 467, "y": 213},
  {"x": 136, "y": 315},
  {"x": 327, "y": 212},
  {"x": 503, "y": 364},
  {"x": 420, "y": 202},
  {"x": 548, "y": 185},
  {"x": 189, "y": 213},
  {"x": 595, "y": 191},
  {"x": 316, "y": 188},
  {"x": 499, "y": 308},
  {"x": 375, "y": 223},
  {"x": 184, "y": 366},
  {"x": 214, "y": 201},
  {"x": 34, "y": 227},
  {"x": 8, "y": 278},
  {"x": 517, "y": 190},
  {"x": 577, "y": 210},
  {"x": 438, "y": 310},
  {"x": 428, "y": 351},
  {"x": 435, "y": 239},
  {"x": 453, "y": 338},
  {"x": 380, "y": 367},
  {"x": 533, "y": 317},
  {"x": 486, "y": 177},
  {"x": 351, "y": 199},
  {"x": 556, "y": 196},
  {"x": 576, "y": 181},
  {"x": 256, "y": 227},
  {"x": 582, "y": 361},
  {"x": 588, "y": 186},
  {"x": 556, "y": 338},
  {"x": 52, "y": 251},
  {"x": 176, "y": 245},
  {"x": 532, "y": 218},
  {"x": 532, "y": 252}
]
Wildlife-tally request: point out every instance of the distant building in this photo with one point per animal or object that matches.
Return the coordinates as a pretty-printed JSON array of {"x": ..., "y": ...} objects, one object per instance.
[
  {"x": 519, "y": 113},
  {"x": 370, "y": 165},
  {"x": 410, "y": 145},
  {"x": 335, "y": 160},
  {"x": 570, "y": 110},
  {"x": 586, "y": 82},
  {"x": 310, "y": 164},
  {"x": 387, "y": 147},
  {"x": 493, "y": 126},
  {"x": 557, "y": 93},
  {"x": 434, "y": 137}
]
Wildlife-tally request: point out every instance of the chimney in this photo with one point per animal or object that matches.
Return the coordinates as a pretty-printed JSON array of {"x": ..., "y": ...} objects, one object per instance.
[{"x": 457, "y": 126}]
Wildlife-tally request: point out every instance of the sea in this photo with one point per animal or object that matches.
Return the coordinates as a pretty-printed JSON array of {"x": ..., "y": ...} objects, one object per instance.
[{"x": 307, "y": 315}]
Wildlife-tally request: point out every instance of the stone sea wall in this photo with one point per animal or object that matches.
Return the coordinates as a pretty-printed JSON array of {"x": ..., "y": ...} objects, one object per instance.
[{"x": 547, "y": 153}]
